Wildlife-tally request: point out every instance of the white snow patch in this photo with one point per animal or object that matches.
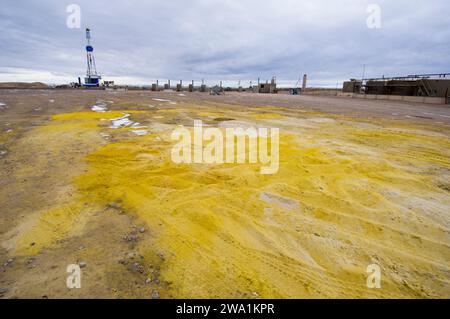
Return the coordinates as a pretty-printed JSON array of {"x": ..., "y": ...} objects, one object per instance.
[
  {"x": 123, "y": 121},
  {"x": 162, "y": 100},
  {"x": 321, "y": 120},
  {"x": 140, "y": 132},
  {"x": 105, "y": 136},
  {"x": 99, "y": 108},
  {"x": 138, "y": 125}
]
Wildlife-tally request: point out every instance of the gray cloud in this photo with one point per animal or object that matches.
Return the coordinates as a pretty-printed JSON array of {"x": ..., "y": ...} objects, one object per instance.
[{"x": 139, "y": 41}]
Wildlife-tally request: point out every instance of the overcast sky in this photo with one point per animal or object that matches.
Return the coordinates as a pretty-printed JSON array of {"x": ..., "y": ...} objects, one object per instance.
[{"x": 138, "y": 41}]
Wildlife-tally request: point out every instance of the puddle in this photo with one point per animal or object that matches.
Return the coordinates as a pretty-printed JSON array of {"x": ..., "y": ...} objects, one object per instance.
[{"x": 223, "y": 119}]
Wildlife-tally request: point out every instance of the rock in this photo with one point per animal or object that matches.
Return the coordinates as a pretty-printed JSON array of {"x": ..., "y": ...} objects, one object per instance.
[
  {"x": 82, "y": 264},
  {"x": 114, "y": 205},
  {"x": 148, "y": 281},
  {"x": 8, "y": 262},
  {"x": 123, "y": 262},
  {"x": 142, "y": 230},
  {"x": 136, "y": 267},
  {"x": 155, "y": 294},
  {"x": 30, "y": 263},
  {"x": 130, "y": 238},
  {"x": 161, "y": 255},
  {"x": 3, "y": 291}
]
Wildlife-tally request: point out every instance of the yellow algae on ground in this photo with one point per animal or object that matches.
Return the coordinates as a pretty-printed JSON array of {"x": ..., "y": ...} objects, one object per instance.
[
  {"x": 345, "y": 197},
  {"x": 229, "y": 231},
  {"x": 50, "y": 226},
  {"x": 262, "y": 116}
]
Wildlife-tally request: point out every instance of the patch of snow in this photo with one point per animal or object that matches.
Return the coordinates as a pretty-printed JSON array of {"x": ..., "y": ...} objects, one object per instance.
[
  {"x": 321, "y": 120},
  {"x": 99, "y": 108},
  {"x": 138, "y": 125},
  {"x": 105, "y": 136},
  {"x": 123, "y": 121},
  {"x": 162, "y": 100},
  {"x": 140, "y": 132}
]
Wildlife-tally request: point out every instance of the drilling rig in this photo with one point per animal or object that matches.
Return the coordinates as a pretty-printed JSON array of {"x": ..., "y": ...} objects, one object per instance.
[{"x": 92, "y": 78}]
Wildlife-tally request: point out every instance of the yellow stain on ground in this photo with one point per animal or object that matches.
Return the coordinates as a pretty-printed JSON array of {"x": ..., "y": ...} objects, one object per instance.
[{"x": 347, "y": 195}]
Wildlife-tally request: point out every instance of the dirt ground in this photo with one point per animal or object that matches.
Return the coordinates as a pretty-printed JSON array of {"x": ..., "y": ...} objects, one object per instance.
[{"x": 360, "y": 182}]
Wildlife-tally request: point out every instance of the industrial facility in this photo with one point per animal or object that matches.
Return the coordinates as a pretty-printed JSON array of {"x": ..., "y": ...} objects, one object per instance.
[{"x": 425, "y": 85}]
